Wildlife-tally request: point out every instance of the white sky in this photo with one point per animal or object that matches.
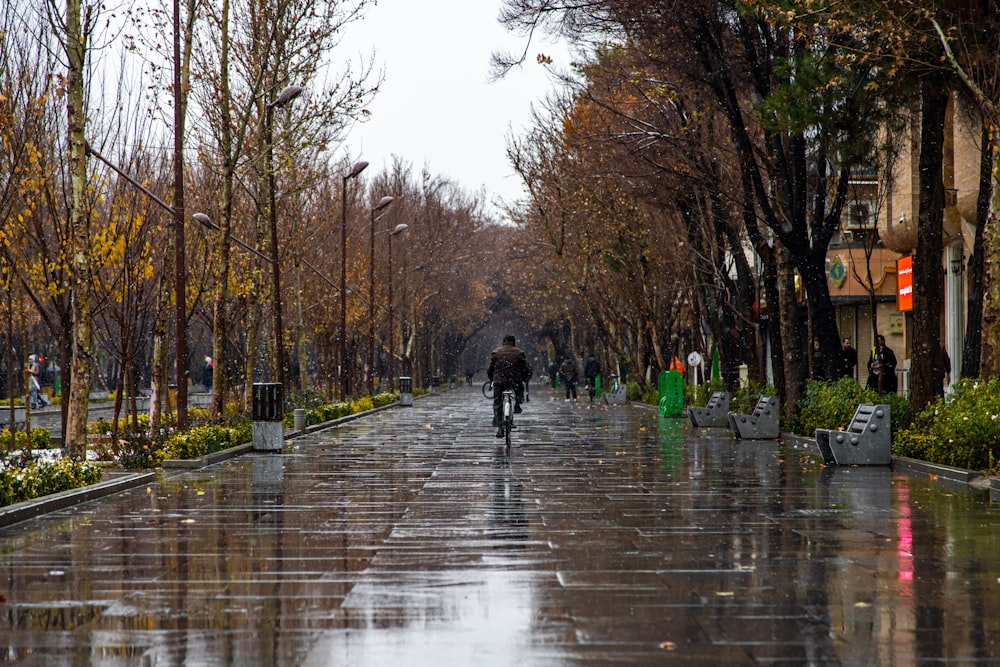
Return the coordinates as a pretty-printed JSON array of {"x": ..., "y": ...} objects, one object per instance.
[{"x": 436, "y": 107}]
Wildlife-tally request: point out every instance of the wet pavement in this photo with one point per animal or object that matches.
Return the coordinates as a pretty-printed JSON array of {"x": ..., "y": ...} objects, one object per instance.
[{"x": 611, "y": 537}]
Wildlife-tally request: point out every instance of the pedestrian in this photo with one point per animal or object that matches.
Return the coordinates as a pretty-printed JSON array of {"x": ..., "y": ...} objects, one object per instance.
[
  {"x": 945, "y": 362},
  {"x": 567, "y": 371},
  {"x": 819, "y": 362},
  {"x": 591, "y": 369},
  {"x": 553, "y": 374},
  {"x": 508, "y": 369},
  {"x": 848, "y": 358},
  {"x": 208, "y": 373},
  {"x": 35, "y": 397},
  {"x": 882, "y": 368}
]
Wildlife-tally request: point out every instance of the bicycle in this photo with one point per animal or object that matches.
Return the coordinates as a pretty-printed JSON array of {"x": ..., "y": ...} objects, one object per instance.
[
  {"x": 507, "y": 402},
  {"x": 507, "y": 418}
]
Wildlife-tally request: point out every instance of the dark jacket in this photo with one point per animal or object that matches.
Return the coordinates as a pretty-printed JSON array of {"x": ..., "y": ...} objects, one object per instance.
[
  {"x": 882, "y": 362},
  {"x": 591, "y": 368},
  {"x": 568, "y": 370},
  {"x": 508, "y": 366}
]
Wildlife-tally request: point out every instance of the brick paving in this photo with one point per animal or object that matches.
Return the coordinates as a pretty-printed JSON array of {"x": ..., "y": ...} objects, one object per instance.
[{"x": 611, "y": 537}]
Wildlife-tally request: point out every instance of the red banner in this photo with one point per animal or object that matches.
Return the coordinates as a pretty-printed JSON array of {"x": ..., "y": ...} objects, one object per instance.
[{"x": 904, "y": 283}]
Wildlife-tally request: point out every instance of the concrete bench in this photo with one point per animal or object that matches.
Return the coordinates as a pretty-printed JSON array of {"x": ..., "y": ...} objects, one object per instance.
[
  {"x": 716, "y": 413},
  {"x": 761, "y": 424},
  {"x": 19, "y": 417},
  {"x": 617, "y": 397},
  {"x": 866, "y": 442}
]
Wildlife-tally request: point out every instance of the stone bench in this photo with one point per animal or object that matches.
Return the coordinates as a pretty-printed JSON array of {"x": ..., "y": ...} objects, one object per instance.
[
  {"x": 867, "y": 440},
  {"x": 716, "y": 413},
  {"x": 761, "y": 424},
  {"x": 19, "y": 417}
]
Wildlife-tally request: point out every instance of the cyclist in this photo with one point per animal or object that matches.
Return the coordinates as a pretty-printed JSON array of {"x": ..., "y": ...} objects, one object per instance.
[{"x": 508, "y": 369}]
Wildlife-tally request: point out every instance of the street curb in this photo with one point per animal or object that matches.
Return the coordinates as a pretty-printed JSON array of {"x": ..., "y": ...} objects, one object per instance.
[
  {"x": 30, "y": 509},
  {"x": 939, "y": 471},
  {"x": 208, "y": 459}
]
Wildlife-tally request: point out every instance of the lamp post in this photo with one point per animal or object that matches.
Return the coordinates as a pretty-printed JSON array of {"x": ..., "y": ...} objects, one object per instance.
[
  {"x": 400, "y": 228},
  {"x": 177, "y": 212},
  {"x": 355, "y": 170},
  {"x": 382, "y": 203},
  {"x": 284, "y": 97}
]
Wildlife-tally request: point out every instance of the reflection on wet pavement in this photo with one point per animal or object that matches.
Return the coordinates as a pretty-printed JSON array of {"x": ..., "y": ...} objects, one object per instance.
[{"x": 611, "y": 537}]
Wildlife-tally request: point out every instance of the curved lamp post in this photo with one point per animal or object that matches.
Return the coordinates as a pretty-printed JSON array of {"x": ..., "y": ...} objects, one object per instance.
[
  {"x": 284, "y": 97},
  {"x": 382, "y": 203},
  {"x": 355, "y": 170},
  {"x": 400, "y": 228}
]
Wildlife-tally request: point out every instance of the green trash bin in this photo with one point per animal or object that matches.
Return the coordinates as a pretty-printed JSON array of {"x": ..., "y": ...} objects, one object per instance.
[{"x": 671, "y": 393}]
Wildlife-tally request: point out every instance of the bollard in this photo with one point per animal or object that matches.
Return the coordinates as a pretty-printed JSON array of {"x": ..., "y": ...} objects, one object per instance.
[
  {"x": 299, "y": 419},
  {"x": 268, "y": 411},
  {"x": 406, "y": 391}
]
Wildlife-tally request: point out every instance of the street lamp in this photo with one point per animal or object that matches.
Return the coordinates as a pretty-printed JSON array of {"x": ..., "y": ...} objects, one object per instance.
[
  {"x": 400, "y": 228},
  {"x": 355, "y": 170},
  {"x": 177, "y": 212},
  {"x": 284, "y": 97},
  {"x": 382, "y": 203}
]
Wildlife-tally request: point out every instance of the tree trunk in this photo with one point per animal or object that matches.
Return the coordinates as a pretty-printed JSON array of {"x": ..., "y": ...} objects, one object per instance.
[
  {"x": 989, "y": 363},
  {"x": 791, "y": 339},
  {"x": 926, "y": 373},
  {"x": 220, "y": 325},
  {"x": 972, "y": 348},
  {"x": 79, "y": 393}
]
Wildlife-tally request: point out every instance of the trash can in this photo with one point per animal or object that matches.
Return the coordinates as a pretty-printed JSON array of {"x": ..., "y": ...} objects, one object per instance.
[
  {"x": 406, "y": 391},
  {"x": 300, "y": 419},
  {"x": 268, "y": 410}
]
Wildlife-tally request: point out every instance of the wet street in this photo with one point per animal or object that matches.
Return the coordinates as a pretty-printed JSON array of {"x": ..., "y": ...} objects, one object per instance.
[{"x": 612, "y": 537}]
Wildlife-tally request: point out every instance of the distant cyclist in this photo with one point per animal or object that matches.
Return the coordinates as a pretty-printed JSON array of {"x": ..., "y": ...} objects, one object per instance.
[{"x": 508, "y": 369}]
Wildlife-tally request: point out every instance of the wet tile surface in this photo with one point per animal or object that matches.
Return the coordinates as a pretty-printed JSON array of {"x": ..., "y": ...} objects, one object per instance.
[{"x": 611, "y": 537}]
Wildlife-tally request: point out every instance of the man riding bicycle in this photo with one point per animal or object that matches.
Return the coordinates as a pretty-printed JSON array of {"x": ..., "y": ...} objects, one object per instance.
[{"x": 508, "y": 369}]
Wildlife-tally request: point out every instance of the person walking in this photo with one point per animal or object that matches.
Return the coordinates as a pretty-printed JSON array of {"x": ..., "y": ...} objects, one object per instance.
[
  {"x": 567, "y": 371},
  {"x": 508, "y": 369},
  {"x": 882, "y": 368},
  {"x": 35, "y": 397},
  {"x": 591, "y": 369},
  {"x": 208, "y": 373},
  {"x": 848, "y": 358}
]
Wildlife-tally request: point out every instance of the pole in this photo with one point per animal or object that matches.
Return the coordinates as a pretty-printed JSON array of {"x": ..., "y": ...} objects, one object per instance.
[
  {"x": 343, "y": 295},
  {"x": 392, "y": 348},
  {"x": 355, "y": 170},
  {"x": 279, "y": 352},
  {"x": 180, "y": 282},
  {"x": 371, "y": 306}
]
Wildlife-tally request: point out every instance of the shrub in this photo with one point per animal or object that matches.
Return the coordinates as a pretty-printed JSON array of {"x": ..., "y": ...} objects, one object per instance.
[
  {"x": 40, "y": 439},
  {"x": 37, "y": 478},
  {"x": 832, "y": 405},
  {"x": 202, "y": 440},
  {"x": 698, "y": 395},
  {"x": 962, "y": 430},
  {"x": 745, "y": 399}
]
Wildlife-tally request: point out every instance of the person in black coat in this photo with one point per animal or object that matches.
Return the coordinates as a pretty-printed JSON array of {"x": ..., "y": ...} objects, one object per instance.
[
  {"x": 508, "y": 369},
  {"x": 882, "y": 368},
  {"x": 848, "y": 358}
]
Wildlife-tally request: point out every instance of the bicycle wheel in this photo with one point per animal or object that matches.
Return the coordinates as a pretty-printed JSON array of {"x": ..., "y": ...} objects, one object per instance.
[{"x": 488, "y": 389}]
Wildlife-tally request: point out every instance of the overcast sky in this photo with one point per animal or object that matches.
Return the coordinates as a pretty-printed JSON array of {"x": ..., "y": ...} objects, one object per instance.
[{"x": 437, "y": 107}]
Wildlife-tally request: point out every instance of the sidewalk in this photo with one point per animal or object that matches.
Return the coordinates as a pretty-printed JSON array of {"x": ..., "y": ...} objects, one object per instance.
[{"x": 611, "y": 537}]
